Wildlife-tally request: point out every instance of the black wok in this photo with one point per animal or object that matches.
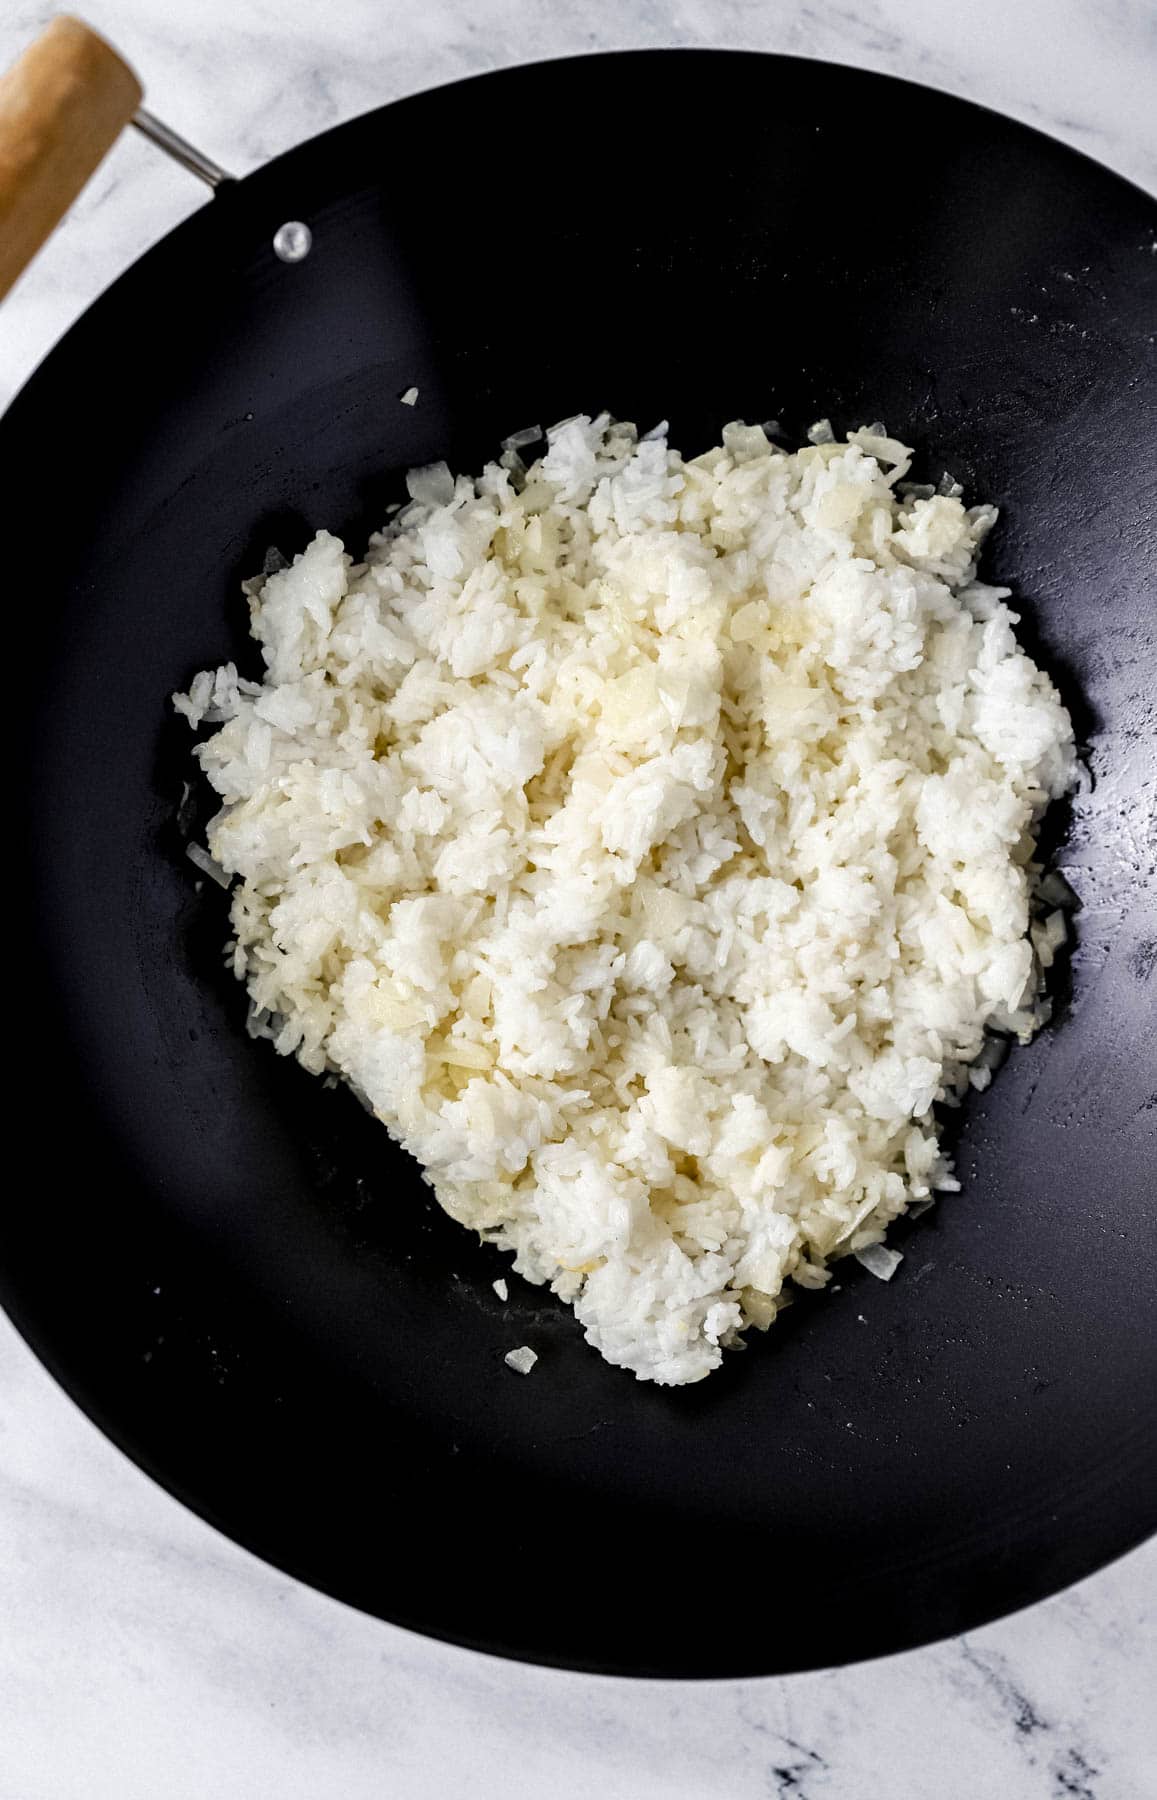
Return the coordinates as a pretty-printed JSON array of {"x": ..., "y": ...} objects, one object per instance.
[{"x": 232, "y": 1269}]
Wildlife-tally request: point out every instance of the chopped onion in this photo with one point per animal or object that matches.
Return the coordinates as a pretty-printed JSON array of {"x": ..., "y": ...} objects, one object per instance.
[
  {"x": 1054, "y": 890},
  {"x": 529, "y": 434},
  {"x": 1085, "y": 781},
  {"x": 260, "y": 1023},
  {"x": 409, "y": 398},
  {"x": 207, "y": 866},
  {"x": 744, "y": 442},
  {"x": 521, "y": 1360},
  {"x": 501, "y": 1289},
  {"x": 434, "y": 484},
  {"x": 879, "y": 1261},
  {"x": 1048, "y": 934}
]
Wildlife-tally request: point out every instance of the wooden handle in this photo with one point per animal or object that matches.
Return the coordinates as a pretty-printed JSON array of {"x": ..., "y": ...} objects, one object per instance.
[{"x": 62, "y": 107}]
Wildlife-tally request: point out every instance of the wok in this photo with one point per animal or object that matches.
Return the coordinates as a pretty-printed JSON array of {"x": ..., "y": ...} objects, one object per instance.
[{"x": 232, "y": 1269}]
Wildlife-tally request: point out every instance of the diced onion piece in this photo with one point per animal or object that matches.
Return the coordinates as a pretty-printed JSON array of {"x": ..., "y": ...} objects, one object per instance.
[
  {"x": 207, "y": 865},
  {"x": 434, "y": 484},
  {"x": 1054, "y": 890},
  {"x": 517, "y": 440},
  {"x": 879, "y": 1261}
]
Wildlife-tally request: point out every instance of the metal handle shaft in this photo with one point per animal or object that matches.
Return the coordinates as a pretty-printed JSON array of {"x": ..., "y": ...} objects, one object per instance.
[{"x": 179, "y": 148}]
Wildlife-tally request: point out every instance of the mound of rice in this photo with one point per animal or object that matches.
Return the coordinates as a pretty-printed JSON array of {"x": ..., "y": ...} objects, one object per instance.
[{"x": 649, "y": 844}]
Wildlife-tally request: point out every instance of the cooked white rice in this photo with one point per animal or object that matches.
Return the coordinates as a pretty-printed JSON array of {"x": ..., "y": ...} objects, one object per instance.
[{"x": 649, "y": 844}]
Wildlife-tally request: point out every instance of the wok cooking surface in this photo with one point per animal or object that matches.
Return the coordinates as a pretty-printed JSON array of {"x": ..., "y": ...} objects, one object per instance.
[{"x": 231, "y": 1268}]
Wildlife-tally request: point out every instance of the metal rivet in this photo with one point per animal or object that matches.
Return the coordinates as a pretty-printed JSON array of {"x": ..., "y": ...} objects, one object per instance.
[{"x": 292, "y": 241}]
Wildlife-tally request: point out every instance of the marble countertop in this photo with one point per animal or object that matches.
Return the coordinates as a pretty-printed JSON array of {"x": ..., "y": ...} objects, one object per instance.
[{"x": 143, "y": 1656}]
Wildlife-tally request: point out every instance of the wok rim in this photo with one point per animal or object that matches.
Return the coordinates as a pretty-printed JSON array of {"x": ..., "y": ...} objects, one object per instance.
[{"x": 182, "y": 239}]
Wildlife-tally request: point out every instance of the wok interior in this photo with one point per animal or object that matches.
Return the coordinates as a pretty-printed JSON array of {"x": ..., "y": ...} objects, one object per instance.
[{"x": 233, "y": 1268}]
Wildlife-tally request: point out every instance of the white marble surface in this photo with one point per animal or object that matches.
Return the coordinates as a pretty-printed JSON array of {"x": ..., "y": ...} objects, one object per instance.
[{"x": 143, "y": 1657}]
